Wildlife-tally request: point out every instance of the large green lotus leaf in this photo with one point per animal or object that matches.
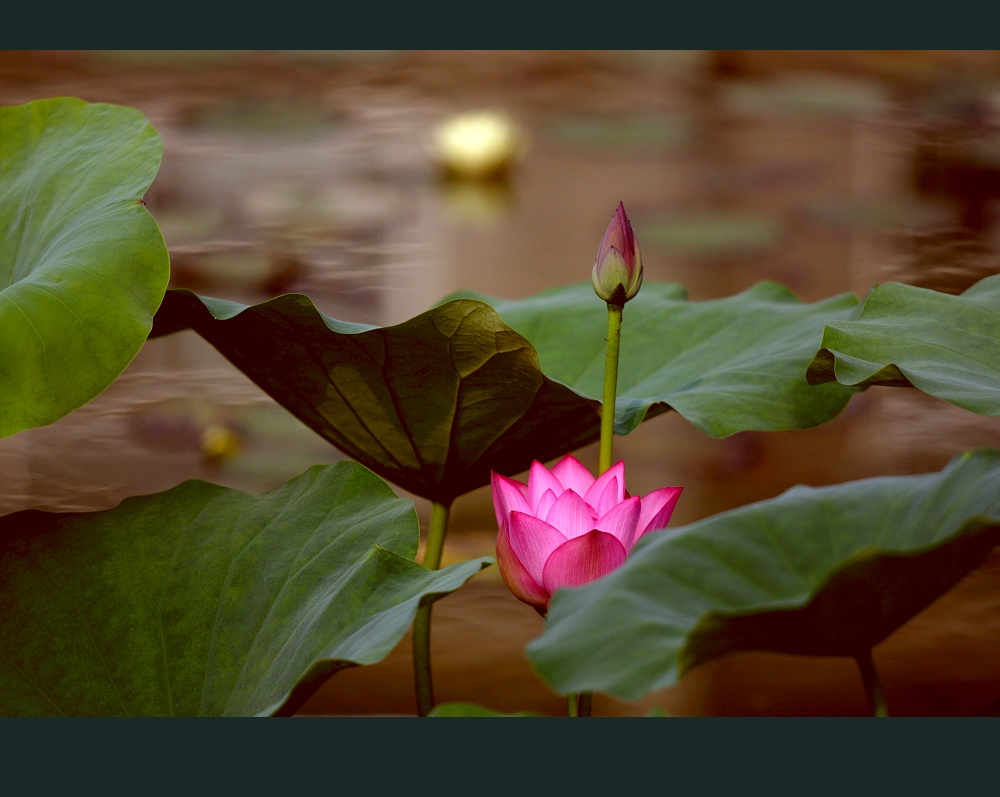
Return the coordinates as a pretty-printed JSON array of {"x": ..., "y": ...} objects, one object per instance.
[
  {"x": 726, "y": 365},
  {"x": 431, "y": 404},
  {"x": 83, "y": 266},
  {"x": 207, "y": 601},
  {"x": 945, "y": 345},
  {"x": 826, "y": 571}
]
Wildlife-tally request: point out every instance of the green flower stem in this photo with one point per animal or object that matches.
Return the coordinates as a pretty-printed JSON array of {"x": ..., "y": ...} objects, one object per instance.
[
  {"x": 580, "y": 703},
  {"x": 422, "y": 622},
  {"x": 873, "y": 685},
  {"x": 572, "y": 705},
  {"x": 610, "y": 385}
]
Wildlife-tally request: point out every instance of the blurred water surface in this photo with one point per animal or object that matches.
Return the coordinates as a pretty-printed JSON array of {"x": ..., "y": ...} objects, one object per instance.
[{"x": 312, "y": 172}]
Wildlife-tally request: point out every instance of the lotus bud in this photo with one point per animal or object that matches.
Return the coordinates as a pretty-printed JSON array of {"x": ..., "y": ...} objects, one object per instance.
[{"x": 617, "y": 271}]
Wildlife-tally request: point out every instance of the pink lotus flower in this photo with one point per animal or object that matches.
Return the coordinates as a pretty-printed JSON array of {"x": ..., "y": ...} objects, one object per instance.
[
  {"x": 617, "y": 273},
  {"x": 565, "y": 528}
]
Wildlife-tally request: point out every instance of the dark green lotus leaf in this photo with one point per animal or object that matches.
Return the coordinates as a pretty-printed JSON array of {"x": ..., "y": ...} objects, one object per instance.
[
  {"x": 432, "y": 404},
  {"x": 207, "y": 601},
  {"x": 826, "y": 571},
  {"x": 726, "y": 365},
  {"x": 435, "y": 403},
  {"x": 945, "y": 345},
  {"x": 83, "y": 266}
]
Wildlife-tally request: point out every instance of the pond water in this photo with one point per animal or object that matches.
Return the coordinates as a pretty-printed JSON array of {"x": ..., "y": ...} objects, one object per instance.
[{"x": 313, "y": 172}]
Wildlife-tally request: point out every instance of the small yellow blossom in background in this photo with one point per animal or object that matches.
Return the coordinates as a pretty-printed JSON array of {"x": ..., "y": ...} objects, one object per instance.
[
  {"x": 477, "y": 145},
  {"x": 219, "y": 443}
]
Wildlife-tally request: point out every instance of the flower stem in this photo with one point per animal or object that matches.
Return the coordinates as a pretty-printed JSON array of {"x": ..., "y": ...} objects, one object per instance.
[
  {"x": 580, "y": 703},
  {"x": 610, "y": 385},
  {"x": 572, "y": 705},
  {"x": 422, "y": 622},
  {"x": 873, "y": 685}
]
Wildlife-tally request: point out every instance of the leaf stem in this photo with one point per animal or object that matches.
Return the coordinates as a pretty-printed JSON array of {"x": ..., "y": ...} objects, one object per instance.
[
  {"x": 435, "y": 536},
  {"x": 422, "y": 680},
  {"x": 873, "y": 685}
]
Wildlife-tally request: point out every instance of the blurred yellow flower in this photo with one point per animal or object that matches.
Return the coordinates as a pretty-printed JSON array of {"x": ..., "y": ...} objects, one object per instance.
[
  {"x": 477, "y": 145},
  {"x": 219, "y": 443}
]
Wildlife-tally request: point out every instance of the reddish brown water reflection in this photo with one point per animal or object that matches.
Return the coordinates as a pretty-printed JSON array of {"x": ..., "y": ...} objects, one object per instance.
[{"x": 308, "y": 172}]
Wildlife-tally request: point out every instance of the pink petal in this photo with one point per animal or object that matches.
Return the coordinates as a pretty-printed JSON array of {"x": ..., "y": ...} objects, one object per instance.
[
  {"x": 608, "y": 498},
  {"x": 657, "y": 507},
  {"x": 582, "y": 560},
  {"x": 571, "y": 515},
  {"x": 544, "y": 505},
  {"x": 622, "y": 521},
  {"x": 573, "y": 475},
  {"x": 516, "y": 576},
  {"x": 508, "y": 496},
  {"x": 616, "y": 471},
  {"x": 540, "y": 480},
  {"x": 532, "y": 540}
]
